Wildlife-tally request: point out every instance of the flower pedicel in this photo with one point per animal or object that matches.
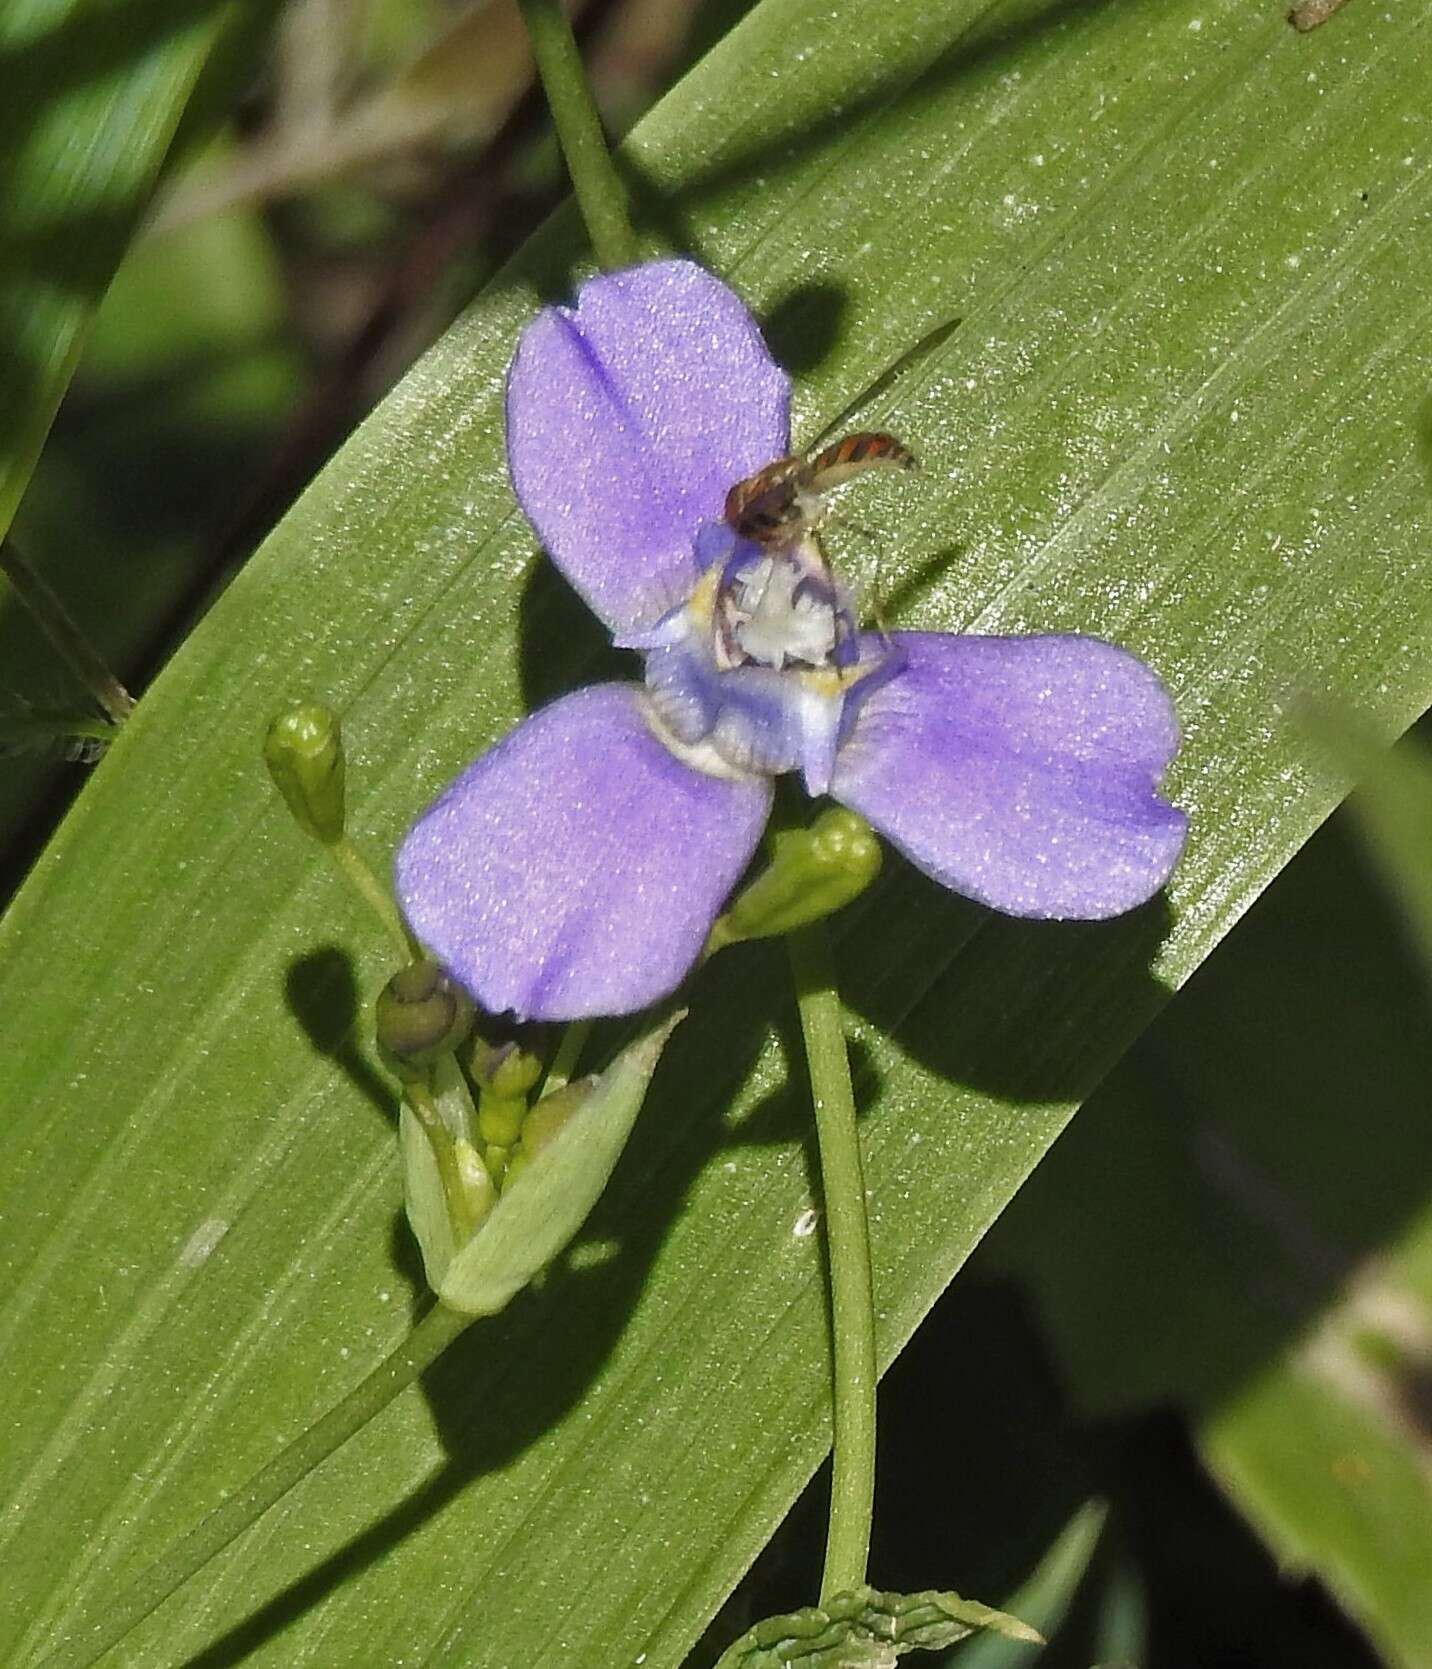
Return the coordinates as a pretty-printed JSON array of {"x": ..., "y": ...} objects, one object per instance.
[{"x": 576, "y": 867}]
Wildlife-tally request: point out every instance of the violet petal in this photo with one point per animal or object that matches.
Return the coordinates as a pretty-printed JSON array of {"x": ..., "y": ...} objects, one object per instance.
[
  {"x": 628, "y": 419},
  {"x": 576, "y": 867},
  {"x": 1021, "y": 771}
]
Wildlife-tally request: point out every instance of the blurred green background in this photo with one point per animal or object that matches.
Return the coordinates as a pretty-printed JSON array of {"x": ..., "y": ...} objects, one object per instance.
[
  {"x": 1184, "y": 1390},
  {"x": 333, "y": 206}
]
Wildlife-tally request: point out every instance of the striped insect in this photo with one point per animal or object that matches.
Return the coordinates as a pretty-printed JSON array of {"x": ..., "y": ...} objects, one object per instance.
[{"x": 784, "y": 502}]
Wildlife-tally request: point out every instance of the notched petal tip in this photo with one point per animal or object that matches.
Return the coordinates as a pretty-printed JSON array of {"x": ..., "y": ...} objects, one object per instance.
[
  {"x": 628, "y": 418},
  {"x": 1022, "y": 772}
]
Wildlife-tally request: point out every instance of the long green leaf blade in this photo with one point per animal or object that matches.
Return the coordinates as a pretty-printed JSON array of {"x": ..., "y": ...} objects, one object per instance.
[
  {"x": 96, "y": 95},
  {"x": 1177, "y": 411},
  {"x": 1238, "y": 1225}
]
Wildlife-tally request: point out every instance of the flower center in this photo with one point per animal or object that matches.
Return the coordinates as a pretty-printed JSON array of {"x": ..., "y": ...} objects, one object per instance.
[
  {"x": 762, "y": 669},
  {"x": 779, "y": 609}
]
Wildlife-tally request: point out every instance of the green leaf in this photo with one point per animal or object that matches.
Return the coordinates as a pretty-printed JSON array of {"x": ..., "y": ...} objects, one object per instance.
[
  {"x": 1239, "y": 1224},
  {"x": 1189, "y": 265},
  {"x": 97, "y": 93},
  {"x": 101, "y": 89},
  {"x": 1326, "y": 1457},
  {"x": 868, "y": 1630},
  {"x": 1044, "y": 1597}
]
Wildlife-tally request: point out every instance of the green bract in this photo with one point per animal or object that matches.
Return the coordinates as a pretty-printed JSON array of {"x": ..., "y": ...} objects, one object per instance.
[{"x": 539, "y": 1211}]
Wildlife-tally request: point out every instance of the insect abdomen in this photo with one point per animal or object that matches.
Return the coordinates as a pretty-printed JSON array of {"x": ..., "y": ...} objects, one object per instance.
[{"x": 847, "y": 457}]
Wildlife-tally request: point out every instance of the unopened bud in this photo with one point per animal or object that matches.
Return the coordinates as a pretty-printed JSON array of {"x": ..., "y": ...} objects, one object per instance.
[
  {"x": 504, "y": 1068},
  {"x": 422, "y": 1014},
  {"x": 499, "y": 1117},
  {"x": 304, "y": 753},
  {"x": 552, "y": 1114},
  {"x": 811, "y": 873}
]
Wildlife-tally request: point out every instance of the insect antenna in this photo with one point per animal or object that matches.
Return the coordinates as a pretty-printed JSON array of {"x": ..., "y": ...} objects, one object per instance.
[
  {"x": 923, "y": 577},
  {"x": 929, "y": 343}
]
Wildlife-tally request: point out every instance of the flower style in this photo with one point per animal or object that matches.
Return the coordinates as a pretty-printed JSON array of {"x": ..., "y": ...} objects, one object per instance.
[{"x": 576, "y": 867}]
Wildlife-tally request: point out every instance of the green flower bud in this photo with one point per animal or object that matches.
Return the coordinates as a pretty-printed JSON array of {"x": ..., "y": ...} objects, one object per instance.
[
  {"x": 811, "y": 873},
  {"x": 421, "y": 1014},
  {"x": 499, "y": 1117},
  {"x": 479, "y": 1189},
  {"x": 553, "y": 1112},
  {"x": 504, "y": 1068},
  {"x": 304, "y": 753}
]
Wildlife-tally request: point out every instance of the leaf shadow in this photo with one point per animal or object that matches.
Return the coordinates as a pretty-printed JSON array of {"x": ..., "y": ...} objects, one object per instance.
[
  {"x": 321, "y": 991},
  {"x": 1237, "y": 1180},
  {"x": 803, "y": 326},
  {"x": 511, "y": 1377},
  {"x": 1014, "y": 1009}
]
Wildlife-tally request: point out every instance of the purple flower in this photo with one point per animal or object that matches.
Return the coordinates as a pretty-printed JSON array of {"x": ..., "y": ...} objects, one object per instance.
[{"x": 577, "y": 866}]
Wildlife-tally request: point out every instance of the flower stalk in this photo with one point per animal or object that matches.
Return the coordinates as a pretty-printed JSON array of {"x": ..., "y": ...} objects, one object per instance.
[
  {"x": 568, "y": 1053},
  {"x": 852, "y": 1300},
  {"x": 356, "y": 870},
  {"x": 600, "y": 194},
  {"x": 417, "y": 1352}
]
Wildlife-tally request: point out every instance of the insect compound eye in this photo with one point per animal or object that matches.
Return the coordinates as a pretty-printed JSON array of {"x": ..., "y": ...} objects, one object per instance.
[{"x": 774, "y": 514}]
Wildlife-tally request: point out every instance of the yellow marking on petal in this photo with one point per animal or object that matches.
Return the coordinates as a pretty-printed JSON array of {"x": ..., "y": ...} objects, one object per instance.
[{"x": 701, "y": 604}]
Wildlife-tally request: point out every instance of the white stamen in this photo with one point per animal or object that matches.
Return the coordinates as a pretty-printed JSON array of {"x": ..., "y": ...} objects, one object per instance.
[{"x": 773, "y": 624}]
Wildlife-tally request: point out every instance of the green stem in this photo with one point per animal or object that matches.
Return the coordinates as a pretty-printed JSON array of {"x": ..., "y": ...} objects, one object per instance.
[
  {"x": 356, "y": 871},
  {"x": 852, "y": 1304},
  {"x": 427, "y": 1341},
  {"x": 569, "y": 1052},
  {"x": 594, "y": 177},
  {"x": 69, "y": 642}
]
